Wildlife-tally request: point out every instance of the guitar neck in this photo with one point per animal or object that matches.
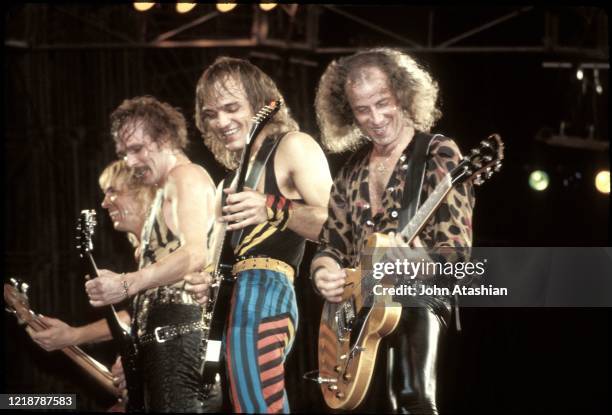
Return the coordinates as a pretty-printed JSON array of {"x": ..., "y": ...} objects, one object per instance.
[
  {"x": 95, "y": 369},
  {"x": 426, "y": 210}
]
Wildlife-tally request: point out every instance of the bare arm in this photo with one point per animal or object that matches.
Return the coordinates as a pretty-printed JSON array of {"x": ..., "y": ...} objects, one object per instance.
[
  {"x": 309, "y": 175},
  {"x": 312, "y": 179},
  {"x": 190, "y": 191},
  {"x": 192, "y": 194},
  {"x": 59, "y": 335}
]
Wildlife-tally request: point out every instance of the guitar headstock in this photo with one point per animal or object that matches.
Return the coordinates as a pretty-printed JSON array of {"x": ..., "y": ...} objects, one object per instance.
[
  {"x": 481, "y": 162},
  {"x": 16, "y": 300},
  {"x": 262, "y": 117},
  {"x": 86, "y": 227}
]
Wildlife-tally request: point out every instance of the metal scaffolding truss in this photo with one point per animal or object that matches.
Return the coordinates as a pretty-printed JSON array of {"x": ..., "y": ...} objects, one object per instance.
[{"x": 310, "y": 29}]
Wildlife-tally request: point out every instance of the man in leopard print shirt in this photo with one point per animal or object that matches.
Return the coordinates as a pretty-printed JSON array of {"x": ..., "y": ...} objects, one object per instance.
[{"x": 376, "y": 102}]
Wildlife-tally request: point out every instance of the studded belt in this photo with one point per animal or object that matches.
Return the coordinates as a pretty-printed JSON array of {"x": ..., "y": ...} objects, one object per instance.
[
  {"x": 264, "y": 263},
  {"x": 164, "y": 333}
]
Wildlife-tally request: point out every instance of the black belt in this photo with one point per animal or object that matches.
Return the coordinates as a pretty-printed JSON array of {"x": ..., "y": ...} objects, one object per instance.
[{"x": 162, "y": 334}]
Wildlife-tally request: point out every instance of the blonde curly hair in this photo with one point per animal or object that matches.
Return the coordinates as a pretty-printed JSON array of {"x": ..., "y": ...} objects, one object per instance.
[
  {"x": 412, "y": 85},
  {"x": 260, "y": 89},
  {"x": 120, "y": 176}
]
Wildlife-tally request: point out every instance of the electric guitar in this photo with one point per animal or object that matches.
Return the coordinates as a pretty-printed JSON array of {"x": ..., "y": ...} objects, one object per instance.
[
  {"x": 216, "y": 311},
  {"x": 351, "y": 330},
  {"x": 17, "y": 302},
  {"x": 120, "y": 332}
]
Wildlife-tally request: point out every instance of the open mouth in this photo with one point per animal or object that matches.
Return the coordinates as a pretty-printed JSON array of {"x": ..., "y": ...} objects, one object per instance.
[
  {"x": 141, "y": 172},
  {"x": 230, "y": 134},
  {"x": 380, "y": 130}
]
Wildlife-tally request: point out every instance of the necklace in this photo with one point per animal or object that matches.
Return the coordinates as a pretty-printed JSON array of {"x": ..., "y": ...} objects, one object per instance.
[{"x": 381, "y": 166}]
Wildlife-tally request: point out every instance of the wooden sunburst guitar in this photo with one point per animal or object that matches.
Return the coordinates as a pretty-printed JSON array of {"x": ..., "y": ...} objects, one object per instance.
[
  {"x": 350, "y": 332},
  {"x": 16, "y": 302}
]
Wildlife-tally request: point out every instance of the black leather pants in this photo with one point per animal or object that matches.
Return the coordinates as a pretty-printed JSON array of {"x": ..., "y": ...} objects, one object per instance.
[
  {"x": 172, "y": 382},
  {"x": 405, "y": 378}
]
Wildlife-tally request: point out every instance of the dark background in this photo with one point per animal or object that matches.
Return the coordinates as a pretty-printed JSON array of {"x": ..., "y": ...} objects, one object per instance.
[{"x": 67, "y": 67}]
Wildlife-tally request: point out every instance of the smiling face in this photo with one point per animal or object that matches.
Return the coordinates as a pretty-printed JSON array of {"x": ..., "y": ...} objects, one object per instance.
[
  {"x": 229, "y": 113},
  {"x": 124, "y": 208},
  {"x": 142, "y": 154},
  {"x": 375, "y": 107}
]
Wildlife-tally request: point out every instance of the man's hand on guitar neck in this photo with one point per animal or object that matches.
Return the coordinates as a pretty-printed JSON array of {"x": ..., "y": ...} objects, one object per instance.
[
  {"x": 329, "y": 278},
  {"x": 57, "y": 336}
]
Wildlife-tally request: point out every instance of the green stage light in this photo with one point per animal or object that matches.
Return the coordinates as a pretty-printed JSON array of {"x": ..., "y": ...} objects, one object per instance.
[{"x": 538, "y": 180}]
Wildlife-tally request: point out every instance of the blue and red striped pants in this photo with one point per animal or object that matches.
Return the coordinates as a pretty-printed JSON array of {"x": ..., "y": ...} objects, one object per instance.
[{"x": 261, "y": 327}]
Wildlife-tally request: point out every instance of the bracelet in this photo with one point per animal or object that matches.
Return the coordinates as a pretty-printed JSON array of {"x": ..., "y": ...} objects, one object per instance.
[
  {"x": 125, "y": 286},
  {"x": 279, "y": 210}
]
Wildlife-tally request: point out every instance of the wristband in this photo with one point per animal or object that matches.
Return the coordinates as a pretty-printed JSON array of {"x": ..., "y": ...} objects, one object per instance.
[{"x": 279, "y": 210}]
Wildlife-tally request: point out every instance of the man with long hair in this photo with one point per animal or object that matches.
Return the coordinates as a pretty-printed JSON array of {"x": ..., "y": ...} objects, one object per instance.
[
  {"x": 166, "y": 322},
  {"x": 286, "y": 206},
  {"x": 380, "y": 104},
  {"x": 126, "y": 201}
]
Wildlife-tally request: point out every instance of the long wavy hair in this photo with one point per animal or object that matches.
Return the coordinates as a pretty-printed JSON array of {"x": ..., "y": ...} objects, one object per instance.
[
  {"x": 260, "y": 90},
  {"x": 161, "y": 121},
  {"x": 413, "y": 86},
  {"x": 121, "y": 177}
]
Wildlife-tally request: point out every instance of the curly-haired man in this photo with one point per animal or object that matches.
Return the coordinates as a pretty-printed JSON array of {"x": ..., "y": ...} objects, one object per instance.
[{"x": 381, "y": 104}]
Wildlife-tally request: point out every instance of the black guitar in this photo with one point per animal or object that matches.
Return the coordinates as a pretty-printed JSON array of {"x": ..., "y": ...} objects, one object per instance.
[
  {"x": 120, "y": 332},
  {"x": 216, "y": 310}
]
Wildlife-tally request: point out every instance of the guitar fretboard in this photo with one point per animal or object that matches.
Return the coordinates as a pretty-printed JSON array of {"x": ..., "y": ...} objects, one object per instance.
[{"x": 425, "y": 211}]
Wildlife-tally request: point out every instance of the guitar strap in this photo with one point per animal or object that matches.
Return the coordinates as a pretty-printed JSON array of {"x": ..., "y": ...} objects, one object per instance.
[
  {"x": 415, "y": 174},
  {"x": 252, "y": 180}
]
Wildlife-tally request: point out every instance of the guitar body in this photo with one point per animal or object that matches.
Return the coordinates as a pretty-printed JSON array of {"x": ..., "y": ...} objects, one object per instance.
[
  {"x": 129, "y": 355},
  {"x": 349, "y": 338},
  {"x": 216, "y": 316},
  {"x": 350, "y": 333},
  {"x": 16, "y": 302}
]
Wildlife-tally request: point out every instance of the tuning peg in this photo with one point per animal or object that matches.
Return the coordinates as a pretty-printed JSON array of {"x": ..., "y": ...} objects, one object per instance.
[
  {"x": 478, "y": 180},
  {"x": 24, "y": 288},
  {"x": 14, "y": 282},
  {"x": 485, "y": 143},
  {"x": 497, "y": 166},
  {"x": 488, "y": 174},
  {"x": 475, "y": 152},
  {"x": 487, "y": 158},
  {"x": 467, "y": 170}
]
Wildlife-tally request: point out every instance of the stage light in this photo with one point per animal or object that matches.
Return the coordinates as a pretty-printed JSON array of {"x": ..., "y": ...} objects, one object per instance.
[
  {"x": 184, "y": 7},
  {"x": 602, "y": 181},
  {"x": 266, "y": 7},
  {"x": 226, "y": 7},
  {"x": 538, "y": 180},
  {"x": 143, "y": 7},
  {"x": 579, "y": 74}
]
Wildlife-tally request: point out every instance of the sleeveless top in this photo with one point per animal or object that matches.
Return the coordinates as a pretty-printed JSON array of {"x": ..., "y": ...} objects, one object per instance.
[
  {"x": 157, "y": 241},
  {"x": 266, "y": 240}
]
